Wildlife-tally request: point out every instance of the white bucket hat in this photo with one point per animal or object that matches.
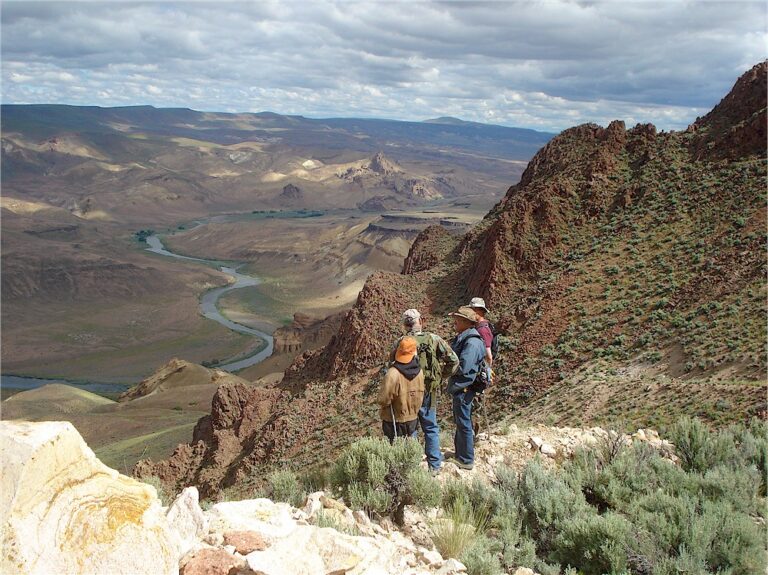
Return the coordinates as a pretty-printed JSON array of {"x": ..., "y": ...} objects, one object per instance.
[
  {"x": 410, "y": 315},
  {"x": 478, "y": 302}
]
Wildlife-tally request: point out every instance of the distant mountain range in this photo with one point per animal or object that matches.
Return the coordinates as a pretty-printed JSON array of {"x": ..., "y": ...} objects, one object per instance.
[
  {"x": 91, "y": 159},
  {"x": 45, "y": 120}
]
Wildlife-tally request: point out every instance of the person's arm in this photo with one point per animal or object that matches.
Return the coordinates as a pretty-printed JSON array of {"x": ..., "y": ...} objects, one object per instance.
[
  {"x": 469, "y": 362},
  {"x": 447, "y": 357},
  {"x": 387, "y": 390}
]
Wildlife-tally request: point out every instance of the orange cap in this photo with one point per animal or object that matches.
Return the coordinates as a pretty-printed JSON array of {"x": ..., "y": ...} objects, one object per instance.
[{"x": 406, "y": 350}]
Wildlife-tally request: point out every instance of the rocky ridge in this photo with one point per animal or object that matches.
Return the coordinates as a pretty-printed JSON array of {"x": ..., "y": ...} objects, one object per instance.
[
  {"x": 619, "y": 251},
  {"x": 305, "y": 333},
  {"x": 114, "y": 524}
]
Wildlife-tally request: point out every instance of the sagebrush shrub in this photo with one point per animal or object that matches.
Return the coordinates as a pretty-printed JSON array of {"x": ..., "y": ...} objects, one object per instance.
[
  {"x": 481, "y": 558},
  {"x": 596, "y": 543},
  {"x": 693, "y": 444},
  {"x": 284, "y": 486},
  {"x": 548, "y": 501},
  {"x": 380, "y": 477}
]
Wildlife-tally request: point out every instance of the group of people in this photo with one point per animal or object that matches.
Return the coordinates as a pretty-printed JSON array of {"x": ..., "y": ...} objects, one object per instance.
[{"x": 419, "y": 363}]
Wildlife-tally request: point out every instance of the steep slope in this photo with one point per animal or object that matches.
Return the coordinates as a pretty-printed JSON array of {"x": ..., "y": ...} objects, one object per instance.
[{"x": 626, "y": 268}]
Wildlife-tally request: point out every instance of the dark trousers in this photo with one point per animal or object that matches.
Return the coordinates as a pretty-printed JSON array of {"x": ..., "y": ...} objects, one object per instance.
[
  {"x": 404, "y": 429},
  {"x": 464, "y": 438}
]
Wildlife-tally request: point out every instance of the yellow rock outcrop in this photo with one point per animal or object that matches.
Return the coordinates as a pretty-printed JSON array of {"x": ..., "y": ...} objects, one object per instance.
[{"x": 63, "y": 511}]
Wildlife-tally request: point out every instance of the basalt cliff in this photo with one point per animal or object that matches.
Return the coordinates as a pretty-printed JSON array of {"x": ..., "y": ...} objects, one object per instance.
[{"x": 626, "y": 271}]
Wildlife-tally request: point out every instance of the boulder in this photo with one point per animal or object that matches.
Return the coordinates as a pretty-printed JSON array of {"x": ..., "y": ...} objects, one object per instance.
[
  {"x": 262, "y": 516},
  {"x": 245, "y": 542},
  {"x": 63, "y": 511},
  {"x": 212, "y": 562},
  {"x": 548, "y": 450},
  {"x": 313, "y": 504},
  {"x": 187, "y": 520},
  {"x": 311, "y": 550},
  {"x": 452, "y": 566},
  {"x": 536, "y": 442}
]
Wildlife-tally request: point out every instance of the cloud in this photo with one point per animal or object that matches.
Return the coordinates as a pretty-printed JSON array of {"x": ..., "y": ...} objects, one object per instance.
[{"x": 544, "y": 65}]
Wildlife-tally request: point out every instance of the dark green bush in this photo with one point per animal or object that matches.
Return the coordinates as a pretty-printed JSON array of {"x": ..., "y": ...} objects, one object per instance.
[
  {"x": 596, "y": 543},
  {"x": 629, "y": 510},
  {"x": 548, "y": 502},
  {"x": 315, "y": 479},
  {"x": 482, "y": 557},
  {"x": 695, "y": 445},
  {"x": 378, "y": 477}
]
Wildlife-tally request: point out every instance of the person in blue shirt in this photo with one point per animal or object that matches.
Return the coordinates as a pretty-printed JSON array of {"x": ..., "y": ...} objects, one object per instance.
[{"x": 468, "y": 345}]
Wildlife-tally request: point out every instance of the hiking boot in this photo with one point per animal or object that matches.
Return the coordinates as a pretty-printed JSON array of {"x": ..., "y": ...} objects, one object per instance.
[
  {"x": 435, "y": 471},
  {"x": 462, "y": 465}
]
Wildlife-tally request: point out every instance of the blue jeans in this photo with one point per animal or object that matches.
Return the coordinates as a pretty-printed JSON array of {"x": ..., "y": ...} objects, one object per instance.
[
  {"x": 428, "y": 421},
  {"x": 464, "y": 438}
]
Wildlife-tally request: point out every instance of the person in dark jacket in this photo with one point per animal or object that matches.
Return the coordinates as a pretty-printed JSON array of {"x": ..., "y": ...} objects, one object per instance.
[
  {"x": 402, "y": 392},
  {"x": 469, "y": 346}
]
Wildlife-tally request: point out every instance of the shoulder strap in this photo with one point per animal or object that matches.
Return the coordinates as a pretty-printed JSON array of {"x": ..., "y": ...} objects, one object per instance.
[{"x": 472, "y": 336}]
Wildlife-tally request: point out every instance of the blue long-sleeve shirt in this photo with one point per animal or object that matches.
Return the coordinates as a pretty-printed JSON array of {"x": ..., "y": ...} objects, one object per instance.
[{"x": 470, "y": 348}]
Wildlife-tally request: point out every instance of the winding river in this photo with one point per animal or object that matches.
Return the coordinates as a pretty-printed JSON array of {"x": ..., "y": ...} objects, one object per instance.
[{"x": 209, "y": 309}]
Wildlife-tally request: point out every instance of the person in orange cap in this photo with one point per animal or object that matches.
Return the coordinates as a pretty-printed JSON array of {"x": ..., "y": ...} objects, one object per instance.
[{"x": 402, "y": 392}]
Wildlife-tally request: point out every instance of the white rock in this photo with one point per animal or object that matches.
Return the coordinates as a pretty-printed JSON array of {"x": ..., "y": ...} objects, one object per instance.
[
  {"x": 535, "y": 441},
  {"x": 299, "y": 515},
  {"x": 431, "y": 557},
  {"x": 524, "y": 571},
  {"x": 589, "y": 439},
  {"x": 548, "y": 450},
  {"x": 311, "y": 550},
  {"x": 361, "y": 517},
  {"x": 63, "y": 511},
  {"x": 452, "y": 566},
  {"x": 268, "y": 519},
  {"x": 495, "y": 460},
  {"x": 652, "y": 434},
  {"x": 187, "y": 520},
  {"x": 313, "y": 504}
]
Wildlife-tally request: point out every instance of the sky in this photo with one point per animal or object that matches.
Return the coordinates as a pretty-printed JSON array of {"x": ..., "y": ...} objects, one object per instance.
[{"x": 545, "y": 65}]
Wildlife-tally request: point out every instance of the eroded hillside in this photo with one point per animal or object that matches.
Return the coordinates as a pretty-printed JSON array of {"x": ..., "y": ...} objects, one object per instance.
[{"x": 627, "y": 269}]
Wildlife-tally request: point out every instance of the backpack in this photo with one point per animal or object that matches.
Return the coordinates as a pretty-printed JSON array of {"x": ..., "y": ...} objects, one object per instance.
[
  {"x": 495, "y": 340},
  {"x": 430, "y": 365}
]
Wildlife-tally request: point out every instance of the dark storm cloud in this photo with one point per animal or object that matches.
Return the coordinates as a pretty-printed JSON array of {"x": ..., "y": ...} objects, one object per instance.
[{"x": 548, "y": 64}]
